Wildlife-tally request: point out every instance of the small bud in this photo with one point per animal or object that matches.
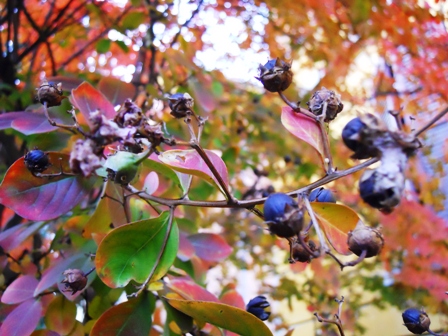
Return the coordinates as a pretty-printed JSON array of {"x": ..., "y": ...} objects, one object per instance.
[
  {"x": 283, "y": 215},
  {"x": 180, "y": 104},
  {"x": 417, "y": 321},
  {"x": 318, "y": 100},
  {"x": 75, "y": 280},
  {"x": 300, "y": 254},
  {"x": 50, "y": 94},
  {"x": 258, "y": 306},
  {"x": 36, "y": 161},
  {"x": 322, "y": 195},
  {"x": 129, "y": 115},
  {"x": 381, "y": 191},
  {"x": 365, "y": 238},
  {"x": 275, "y": 75}
]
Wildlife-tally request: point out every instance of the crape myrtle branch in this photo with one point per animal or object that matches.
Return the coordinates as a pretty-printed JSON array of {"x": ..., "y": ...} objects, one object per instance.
[{"x": 337, "y": 317}]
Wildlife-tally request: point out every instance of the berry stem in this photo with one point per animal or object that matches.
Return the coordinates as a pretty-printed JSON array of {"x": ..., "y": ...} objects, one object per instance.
[{"x": 323, "y": 244}]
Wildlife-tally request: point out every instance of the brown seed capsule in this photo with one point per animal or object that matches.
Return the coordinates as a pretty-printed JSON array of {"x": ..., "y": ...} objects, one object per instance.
[
  {"x": 332, "y": 100},
  {"x": 300, "y": 254},
  {"x": 180, "y": 104},
  {"x": 50, "y": 94},
  {"x": 365, "y": 238},
  {"x": 275, "y": 75},
  {"x": 129, "y": 114},
  {"x": 75, "y": 280}
]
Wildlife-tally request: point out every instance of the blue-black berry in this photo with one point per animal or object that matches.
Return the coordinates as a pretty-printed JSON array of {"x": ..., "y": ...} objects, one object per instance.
[
  {"x": 352, "y": 135},
  {"x": 417, "y": 321},
  {"x": 36, "y": 161},
  {"x": 275, "y": 75},
  {"x": 322, "y": 195},
  {"x": 283, "y": 215},
  {"x": 258, "y": 306}
]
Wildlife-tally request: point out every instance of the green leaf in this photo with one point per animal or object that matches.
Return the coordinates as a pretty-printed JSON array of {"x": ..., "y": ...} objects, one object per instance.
[
  {"x": 122, "y": 46},
  {"x": 223, "y": 316},
  {"x": 131, "y": 252},
  {"x": 336, "y": 220},
  {"x": 103, "y": 46},
  {"x": 131, "y": 318},
  {"x": 132, "y": 20}
]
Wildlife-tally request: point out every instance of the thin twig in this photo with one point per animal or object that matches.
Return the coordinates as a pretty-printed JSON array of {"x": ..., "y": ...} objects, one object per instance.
[
  {"x": 296, "y": 107},
  {"x": 323, "y": 243},
  {"x": 432, "y": 122}
]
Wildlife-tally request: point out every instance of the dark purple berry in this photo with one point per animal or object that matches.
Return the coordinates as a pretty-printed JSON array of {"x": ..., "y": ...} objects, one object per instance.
[
  {"x": 322, "y": 195},
  {"x": 352, "y": 135},
  {"x": 258, "y": 306},
  {"x": 374, "y": 190},
  {"x": 417, "y": 321},
  {"x": 283, "y": 215},
  {"x": 36, "y": 161}
]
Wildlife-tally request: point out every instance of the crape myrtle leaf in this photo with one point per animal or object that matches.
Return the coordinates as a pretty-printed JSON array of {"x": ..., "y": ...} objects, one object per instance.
[
  {"x": 78, "y": 330},
  {"x": 23, "y": 319},
  {"x": 36, "y": 198},
  {"x": 190, "y": 162},
  {"x": 100, "y": 223},
  {"x": 115, "y": 90},
  {"x": 158, "y": 166},
  {"x": 336, "y": 221},
  {"x": 130, "y": 252},
  {"x": 232, "y": 298},
  {"x": 87, "y": 99},
  {"x": 151, "y": 183},
  {"x": 304, "y": 128},
  {"x": 20, "y": 290},
  {"x": 60, "y": 315},
  {"x": 130, "y": 318},
  {"x": 16, "y": 235},
  {"x": 26, "y": 122},
  {"x": 204, "y": 99},
  {"x": 210, "y": 246},
  {"x": 45, "y": 332},
  {"x": 224, "y": 316},
  {"x": 186, "y": 248},
  {"x": 189, "y": 290},
  {"x": 177, "y": 323}
]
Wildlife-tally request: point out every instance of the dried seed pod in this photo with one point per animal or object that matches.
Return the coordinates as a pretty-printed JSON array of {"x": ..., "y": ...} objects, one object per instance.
[
  {"x": 83, "y": 157},
  {"x": 180, "y": 104},
  {"x": 259, "y": 306},
  {"x": 275, "y": 75},
  {"x": 283, "y": 215},
  {"x": 417, "y": 321},
  {"x": 300, "y": 254},
  {"x": 365, "y": 238},
  {"x": 36, "y": 161},
  {"x": 75, "y": 280},
  {"x": 382, "y": 188},
  {"x": 50, "y": 94},
  {"x": 325, "y": 97},
  {"x": 129, "y": 114}
]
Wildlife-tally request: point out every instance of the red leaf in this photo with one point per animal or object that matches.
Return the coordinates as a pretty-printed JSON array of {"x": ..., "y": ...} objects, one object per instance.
[
  {"x": 190, "y": 162},
  {"x": 191, "y": 291},
  {"x": 116, "y": 90},
  {"x": 210, "y": 246},
  {"x": 15, "y": 236},
  {"x": 304, "y": 128},
  {"x": 233, "y": 298},
  {"x": 186, "y": 249},
  {"x": 20, "y": 290},
  {"x": 87, "y": 99},
  {"x": 22, "y": 320},
  {"x": 42, "y": 198},
  {"x": 26, "y": 122}
]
